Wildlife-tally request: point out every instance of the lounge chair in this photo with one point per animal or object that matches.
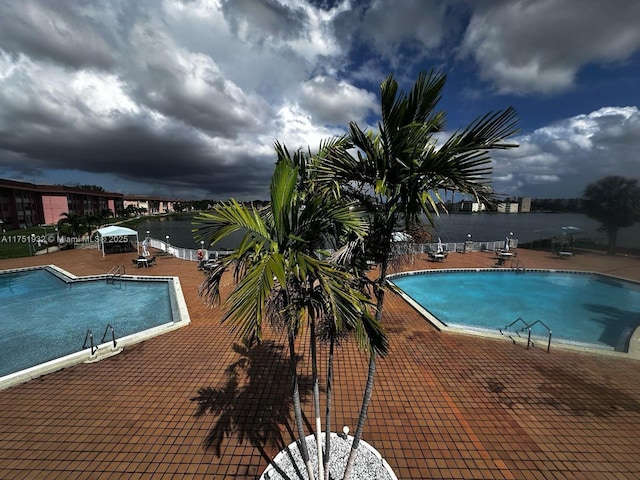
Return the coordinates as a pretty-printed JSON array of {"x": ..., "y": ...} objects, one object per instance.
[
  {"x": 500, "y": 261},
  {"x": 209, "y": 265},
  {"x": 437, "y": 256}
]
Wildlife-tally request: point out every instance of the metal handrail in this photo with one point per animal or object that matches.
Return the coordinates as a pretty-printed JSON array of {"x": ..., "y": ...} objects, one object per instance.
[
  {"x": 518, "y": 265},
  {"x": 89, "y": 336},
  {"x": 548, "y": 330},
  {"x": 113, "y": 335},
  {"x": 519, "y": 319},
  {"x": 116, "y": 271},
  {"x": 527, "y": 326}
]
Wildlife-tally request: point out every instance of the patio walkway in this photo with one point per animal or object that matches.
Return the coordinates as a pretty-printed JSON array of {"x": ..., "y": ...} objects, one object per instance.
[{"x": 444, "y": 406}]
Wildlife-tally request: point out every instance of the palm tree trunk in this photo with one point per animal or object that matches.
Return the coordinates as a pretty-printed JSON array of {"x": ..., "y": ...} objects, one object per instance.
[
  {"x": 327, "y": 421},
  {"x": 368, "y": 391},
  {"x": 316, "y": 397},
  {"x": 363, "y": 416},
  {"x": 302, "y": 443}
]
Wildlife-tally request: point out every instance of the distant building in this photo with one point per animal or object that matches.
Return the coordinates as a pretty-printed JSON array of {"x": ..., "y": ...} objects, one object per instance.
[
  {"x": 152, "y": 205},
  {"x": 469, "y": 206},
  {"x": 507, "y": 207},
  {"x": 525, "y": 204},
  {"x": 25, "y": 204}
]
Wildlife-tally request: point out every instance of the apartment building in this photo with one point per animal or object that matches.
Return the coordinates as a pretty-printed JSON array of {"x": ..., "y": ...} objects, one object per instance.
[{"x": 25, "y": 204}]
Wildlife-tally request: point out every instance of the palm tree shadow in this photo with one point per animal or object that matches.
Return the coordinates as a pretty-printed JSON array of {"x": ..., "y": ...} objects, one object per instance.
[
  {"x": 618, "y": 325},
  {"x": 255, "y": 402}
]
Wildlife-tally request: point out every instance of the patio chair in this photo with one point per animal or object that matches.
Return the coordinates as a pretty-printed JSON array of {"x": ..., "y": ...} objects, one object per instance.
[{"x": 437, "y": 256}]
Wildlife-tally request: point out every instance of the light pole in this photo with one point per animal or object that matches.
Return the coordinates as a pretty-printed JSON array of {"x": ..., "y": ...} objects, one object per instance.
[{"x": 167, "y": 243}]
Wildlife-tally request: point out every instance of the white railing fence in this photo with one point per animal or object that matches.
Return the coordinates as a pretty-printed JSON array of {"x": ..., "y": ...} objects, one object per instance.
[{"x": 191, "y": 254}]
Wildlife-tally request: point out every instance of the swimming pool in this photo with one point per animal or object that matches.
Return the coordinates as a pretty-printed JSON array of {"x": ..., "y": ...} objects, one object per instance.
[
  {"x": 581, "y": 308},
  {"x": 46, "y": 315}
]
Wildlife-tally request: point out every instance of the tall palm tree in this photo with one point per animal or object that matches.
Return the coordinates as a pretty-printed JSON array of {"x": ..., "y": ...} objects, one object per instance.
[
  {"x": 399, "y": 175},
  {"x": 613, "y": 201},
  {"x": 279, "y": 274}
]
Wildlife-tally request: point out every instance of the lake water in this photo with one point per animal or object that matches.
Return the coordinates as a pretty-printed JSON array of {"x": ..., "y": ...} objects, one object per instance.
[{"x": 526, "y": 227}]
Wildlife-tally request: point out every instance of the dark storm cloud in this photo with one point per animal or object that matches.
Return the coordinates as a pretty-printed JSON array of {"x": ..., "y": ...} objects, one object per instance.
[
  {"x": 165, "y": 160},
  {"x": 54, "y": 32},
  {"x": 128, "y": 149}
]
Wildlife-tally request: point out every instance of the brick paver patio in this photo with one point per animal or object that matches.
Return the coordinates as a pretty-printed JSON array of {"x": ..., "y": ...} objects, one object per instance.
[{"x": 445, "y": 406}]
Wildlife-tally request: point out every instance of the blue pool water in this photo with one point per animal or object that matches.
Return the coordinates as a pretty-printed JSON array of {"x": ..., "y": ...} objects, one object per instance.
[
  {"x": 42, "y": 317},
  {"x": 577, "y": 307}
]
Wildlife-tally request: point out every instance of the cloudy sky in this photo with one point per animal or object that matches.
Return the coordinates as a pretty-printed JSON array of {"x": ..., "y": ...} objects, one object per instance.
[{"x": 185, "y": 98}]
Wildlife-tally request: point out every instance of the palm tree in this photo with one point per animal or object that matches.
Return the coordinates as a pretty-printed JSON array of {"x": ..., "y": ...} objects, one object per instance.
[
  {"x": 613, "y": 201},
  {"x": 280, "y": 276},
  {"x": 400, "y": 173},
  {"x": 70, "y": 223},
  {"x": 104, "y": 215},
  {"x": 90, "y": 220}
]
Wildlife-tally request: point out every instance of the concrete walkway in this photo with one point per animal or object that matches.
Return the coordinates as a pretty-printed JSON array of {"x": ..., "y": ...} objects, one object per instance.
[{"x": 444, "y": 406}]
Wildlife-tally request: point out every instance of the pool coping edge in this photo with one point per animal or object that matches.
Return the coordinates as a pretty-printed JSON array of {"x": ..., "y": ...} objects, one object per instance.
[
  {"x": 104, "y": 350},
  {"x": 489, "y": 334}
]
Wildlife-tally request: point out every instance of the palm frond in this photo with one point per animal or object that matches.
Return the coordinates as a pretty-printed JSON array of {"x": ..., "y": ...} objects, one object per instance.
[
  {"x": 226, "y": 219},
  {"x": 283, "y": 188},
  {"x": 246, "y": 303}
]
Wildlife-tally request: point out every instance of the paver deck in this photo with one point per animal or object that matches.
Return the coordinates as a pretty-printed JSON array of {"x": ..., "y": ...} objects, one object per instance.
[{"x": 444, "y": 405}]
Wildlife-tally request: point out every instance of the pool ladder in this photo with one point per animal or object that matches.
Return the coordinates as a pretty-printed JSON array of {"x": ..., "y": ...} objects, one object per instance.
[
  {"x": 115, "y": 273},
  {"x": 89, "y": 338},
  {"x": 528, "y": 327},
  {"x": 518, "y": 266}
]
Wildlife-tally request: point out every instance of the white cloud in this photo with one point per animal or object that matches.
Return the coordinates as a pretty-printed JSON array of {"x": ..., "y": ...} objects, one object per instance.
[
  {"x": 522, "y": 46},
  {"x": 572, "y": 153},
  {"x": 389, "y": 23},
  {"x": 334, "y": 102},
  {"x": 104, "y": 95},
  {"x": 297, "y": 129},
  {"x": 294, "y": 26}
]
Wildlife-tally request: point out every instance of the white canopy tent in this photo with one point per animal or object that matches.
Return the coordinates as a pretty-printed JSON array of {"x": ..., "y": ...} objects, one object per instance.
[{"x": 116, "y": 235}]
